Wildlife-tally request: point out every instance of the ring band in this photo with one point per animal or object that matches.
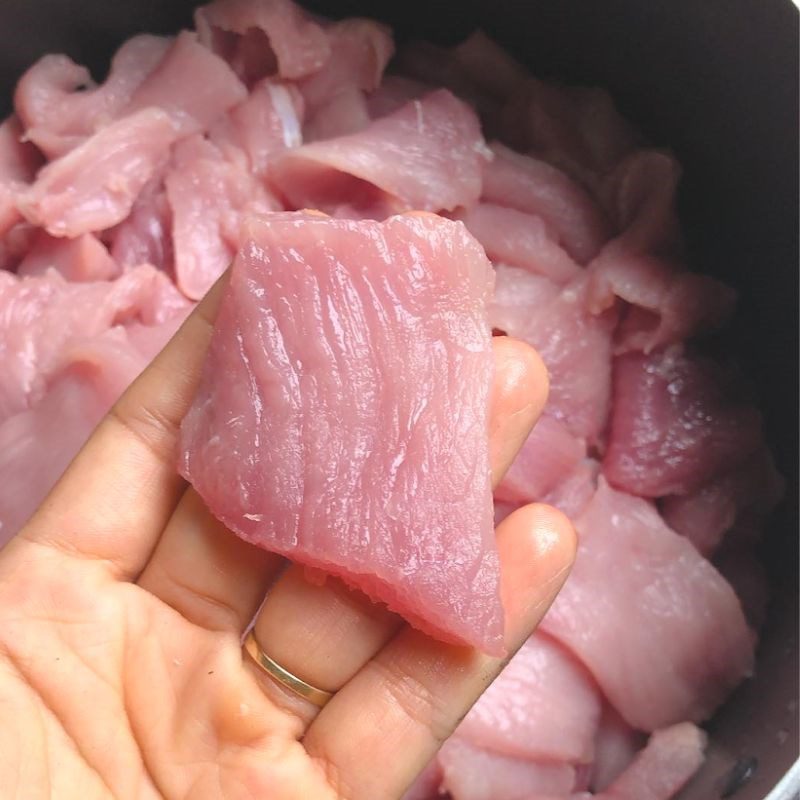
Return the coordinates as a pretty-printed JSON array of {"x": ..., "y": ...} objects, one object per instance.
[{"x": 282, "y": 676}]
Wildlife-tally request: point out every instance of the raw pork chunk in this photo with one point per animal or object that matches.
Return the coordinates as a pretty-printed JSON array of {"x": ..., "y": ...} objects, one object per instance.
[
  {"x": 342, "y": 416},
  {"x": 629, "y": 559},
  {"x": 427, "y": 155},
  {"x": 661, "y": 770},
  {"x": 543, "y": 706},
  {"x": 678, "y": 420}
]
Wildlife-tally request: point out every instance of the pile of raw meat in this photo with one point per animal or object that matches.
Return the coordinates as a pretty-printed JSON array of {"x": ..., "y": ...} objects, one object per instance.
[{"x": 122, "y": 202}]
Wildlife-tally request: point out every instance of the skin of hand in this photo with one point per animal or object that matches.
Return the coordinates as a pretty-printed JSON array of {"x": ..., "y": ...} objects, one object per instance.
[{"x": 123, "y": 604}]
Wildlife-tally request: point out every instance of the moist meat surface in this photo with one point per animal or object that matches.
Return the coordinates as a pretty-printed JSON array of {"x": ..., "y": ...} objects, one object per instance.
[{"x": 122, "y": 201}]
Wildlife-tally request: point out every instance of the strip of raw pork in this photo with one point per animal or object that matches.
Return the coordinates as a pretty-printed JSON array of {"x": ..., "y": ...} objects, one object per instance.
[{"x": 342, "y": 418}]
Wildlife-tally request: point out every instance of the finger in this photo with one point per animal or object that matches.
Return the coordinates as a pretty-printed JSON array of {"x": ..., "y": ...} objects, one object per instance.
[
  {"x": 322, "y": 633},
  {"x": 114, "y": 500},
  {"x": 519, "y": 394},
  {"x": 211, "y": 577},
  {"x": 416, "y": 690}
]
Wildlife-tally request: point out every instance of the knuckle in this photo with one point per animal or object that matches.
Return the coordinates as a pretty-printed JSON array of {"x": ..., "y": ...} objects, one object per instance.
[
  {"x": 155, "y": 430},
  {"x": 417, "y": 702}
]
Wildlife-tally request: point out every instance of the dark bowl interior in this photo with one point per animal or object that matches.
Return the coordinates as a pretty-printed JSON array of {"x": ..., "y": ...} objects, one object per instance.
[{"x": 717, "y": 82}]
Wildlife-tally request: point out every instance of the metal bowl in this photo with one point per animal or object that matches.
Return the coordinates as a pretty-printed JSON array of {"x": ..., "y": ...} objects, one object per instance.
[{"x": 716, "y": 81}]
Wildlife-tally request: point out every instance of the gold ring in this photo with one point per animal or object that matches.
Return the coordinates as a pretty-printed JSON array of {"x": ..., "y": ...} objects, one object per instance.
[{"x": 285, "y": 678}]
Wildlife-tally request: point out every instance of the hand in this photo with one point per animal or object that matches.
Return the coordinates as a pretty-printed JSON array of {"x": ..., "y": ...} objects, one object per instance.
[{"x": 123, "y": 603}]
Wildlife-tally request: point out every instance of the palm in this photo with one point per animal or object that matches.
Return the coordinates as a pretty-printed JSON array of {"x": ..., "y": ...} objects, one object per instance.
[
  {"x": 122, "y": 607},
  {"x": 97, "y": 654}
]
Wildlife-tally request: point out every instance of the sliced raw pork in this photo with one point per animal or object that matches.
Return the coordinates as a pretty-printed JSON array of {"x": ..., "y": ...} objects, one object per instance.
[
  {"x": 616, "y": 745},
  {"x": 145, "y": 235},
  {"x": 347, "y": 112},
  {"x": 573, "y": 218},
  {"x": 191, "y": 84},
  {"x": 635, "y": 585},
  {"x": 393, "y": 93},
  {"x": 59, "y": 104},
  {"x": 521, "y": 240},
  {"x": 345, "y": 398},
  {"x": 543, "y": 706},
  {"x": 261, "y": 37},
  {"x": 90, "y": 378},
  {"x": 40, "y": 316},
  {"x": 639, "y": 196},
  {"x": 428, "y": 155},
  {"x": 208, "y": 196},
  {"x": 82, "y": 259},
  {"x": 668, "y": 304},
  {"x": 95, "y": 185},
  {"x": 573, "y": 494},
  {"x": 470, "y": 773},
  {"x": 678, "y": 420},
  {"x": 707, "y": 514},
  {"x": 663, "y": 768},
  {"x": 549, "y": 455},
  {"x": 18, "y": 164},
  {"x": 360, "y": 51},
  {"x": 574, "y": 344},
  {"x": 577, "y": 129},
  {"x": 268, "y": 122}
]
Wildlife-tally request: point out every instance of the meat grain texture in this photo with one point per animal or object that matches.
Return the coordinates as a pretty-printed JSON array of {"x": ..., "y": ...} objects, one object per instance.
[{"x": 350, "y": 340}]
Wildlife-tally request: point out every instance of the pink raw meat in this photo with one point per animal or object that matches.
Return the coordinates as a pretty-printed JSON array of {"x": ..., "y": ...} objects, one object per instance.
[
  {"x": 521, "y": 240},
  {"x": 543, "y": 706},
  {"x": 266, "y": 123},
  {"x": 191, "y": 84},
  {"x": 488, "y": 65},
  {"x": 477, "y": 70},
  {"x": 16, "y": 242},
  {"x": 577, "y": 129},
  {"x": 640, "y": 199},
  {"x": 292, "y": 41},
  {"x": 91, "y": 376},
  {"x": 707, "y": 514},
  {"x": 663, "y": 768},
  {"x": 575, "y": 345},
  {"x": 95, "y": 185},
  {"x": 615, "y": 747},
  {"x": 574, "y": 220},
  {"x": 59, "y": 104},
  {"x": 83, "y": 259},
  {"x": 19, "y": 162},
  {"x": 548, "y": 456},
  {"x": 677, "y": 421},
  {"x": 573, "y": 494},
  {"x": 635, "y": 586},
  {"x": 427, "y": 156},
  {"x": 427, "y": 784},
  {"x": 145, "y": 235},
  {"x": 360, "y": 51},
  {"x": 426, "y": 62},
  {"x": 347, "y": 112},
  {"x": 393, "y": 93},
  {"x": 668, "y": 304},
  {"x": 503, "y": 510},
  {"x": 336, "y": 95},
  {"x": 209, "y": 196},
  {"x": 40, "y": 316},
  {"x": 470, "y": 773},
  {"x": 366, "y": 343}
]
